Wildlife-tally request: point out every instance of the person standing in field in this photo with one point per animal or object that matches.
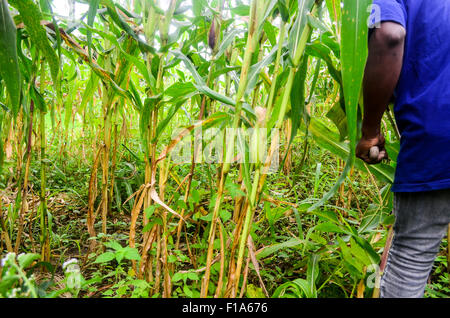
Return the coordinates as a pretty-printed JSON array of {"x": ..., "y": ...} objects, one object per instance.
[{"x": 409, "y": 58}]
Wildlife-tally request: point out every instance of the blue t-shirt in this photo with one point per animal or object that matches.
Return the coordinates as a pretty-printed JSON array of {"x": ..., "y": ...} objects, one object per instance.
[{"x": 422, "y": 107}]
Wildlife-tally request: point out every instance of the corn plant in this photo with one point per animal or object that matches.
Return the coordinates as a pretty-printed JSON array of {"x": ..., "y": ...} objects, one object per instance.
[{"x": 163, "y": 73}]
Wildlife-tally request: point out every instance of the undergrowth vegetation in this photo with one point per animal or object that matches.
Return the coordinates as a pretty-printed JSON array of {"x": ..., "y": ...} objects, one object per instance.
[{"x": 102, "y": 193}]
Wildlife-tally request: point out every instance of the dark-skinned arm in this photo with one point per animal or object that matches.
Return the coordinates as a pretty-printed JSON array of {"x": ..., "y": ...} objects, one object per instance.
[{"x": 383, "y": 68}]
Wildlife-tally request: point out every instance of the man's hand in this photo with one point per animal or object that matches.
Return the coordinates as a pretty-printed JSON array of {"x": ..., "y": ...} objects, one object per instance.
[
  {"x": 366, "y": 143},
  {"x": 383, "y": 68}
]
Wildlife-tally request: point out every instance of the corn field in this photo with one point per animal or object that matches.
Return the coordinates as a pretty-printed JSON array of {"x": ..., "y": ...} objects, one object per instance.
[{"x": 189, "y": 148}]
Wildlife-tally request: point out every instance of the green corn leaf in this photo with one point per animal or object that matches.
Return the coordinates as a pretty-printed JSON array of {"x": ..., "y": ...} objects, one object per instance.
[
  {"x": 319, "y": 50},
  {"x": 38, "y": 99},
  {"x": 314, "y": 82},
  {"x": 121, "y": 23},
  {"x": 93, "y": 6},
  {"x": 167, "y": 118},
  {"x": 69, "y": 103},
  {"x": 226, "y": 42},
  {"x": 58, "y": 37},
  {"x": 144, "y": 120},
  {"x": 138, "y": 63},
  {"x": 330, "y": 140},
  {"x": 256, "y": 69},
  {"x": 284, "y": 11},
  {"x": 299, "y": 286},
  {"x": 201, "y": 85},
  {"x": 224, "y": 70},
  {"x": 269, "y": 30},
  {"x": 215, "y": 95},
  {"x": 297, "y": 34},
  {"x": 88, "y": 94},
  {"x": 331, "y": 228},
  {"x": 2, "y": 154},
  {"x": 269, "y": 250},
  {"x": 180, "y": 89},
  {"x": 31, "y": 16},
  {"x": 337, "y": 116},
  {"x": 241, "y": 10},
  {"x": 9, "y": 64},
  {"x": 317, "y": 23},
  {"x": 190, "y": 66},
  {"x": 137, "y": 98},
  {"x": 312, "y": 273},
  {"x": 298, "y": 98},
  {"x": 354, "y": 51},
  {"x": 334, "y": 8}
]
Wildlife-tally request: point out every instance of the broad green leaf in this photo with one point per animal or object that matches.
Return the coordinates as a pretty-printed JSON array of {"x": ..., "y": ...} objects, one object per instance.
[
  {"x": 353, "y": 265},
  {"x": 312, "y": 273},
  {"x": 334, "y": 8},
  {"x": 38, "y": 99},
  {"x": 177, "y": 277},
  {"x": 25, "y": 260},
  {"x": 241, "y": 10},
  {"x": 317, "y": 24},
  {"x": 360, "y": 253},
  {"x": 331, "y": 228},
  {"x": 329, "y": 215},
  {"x": 297, "y": 35},
  {"x": 323, "y": 52},
  {"x": 9, "y": 64},
  {"x": 226, "y": 42},
  {"x": 269, "y": 29},
  {"x": 256, "y": 69},
  {"x": 105, "y": 257},
  {"x": 31, "y": 16},
  {"x": 215, "y": 95},
  {"x": 304, "y": 285},
  {"x": 121, "y": 23},
  {"x": 114, "y": 245},
  {"x": 298, "y": 98},
  {"x": 330, "y": 140},
  {"x": 93, "y": 6},
  {"x": 144, "y": 121},
  {"x": 337, "y": 116},
  {"x": 167, "y": 118},
  {"x": 132, "y": 254},
  {"x": 269, "y": 250},
  {"x": 190, "y": 66},
  {"x": 89, "y": 91},
  {"x": 2, "y": 154},
  {"x": 180, "y": 89},
  {"x": 120, "y": 255},
  {"x": 284, "y": 11},
  {"x": 192, "y": 276},
  {"x": 299, "y": 286},
  {"x": 354, "y": 51}
]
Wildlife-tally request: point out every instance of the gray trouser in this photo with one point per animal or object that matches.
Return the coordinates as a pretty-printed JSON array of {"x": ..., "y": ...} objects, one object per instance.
[{"x": 422, "y": 220}]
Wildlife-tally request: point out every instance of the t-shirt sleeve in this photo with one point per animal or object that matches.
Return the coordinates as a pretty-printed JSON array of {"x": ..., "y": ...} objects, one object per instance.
[{"x": 388, "y": 11}]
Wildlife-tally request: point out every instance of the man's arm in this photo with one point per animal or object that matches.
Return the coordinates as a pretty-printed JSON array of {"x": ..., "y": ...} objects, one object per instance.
[{"x": 383, "y": 68}]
